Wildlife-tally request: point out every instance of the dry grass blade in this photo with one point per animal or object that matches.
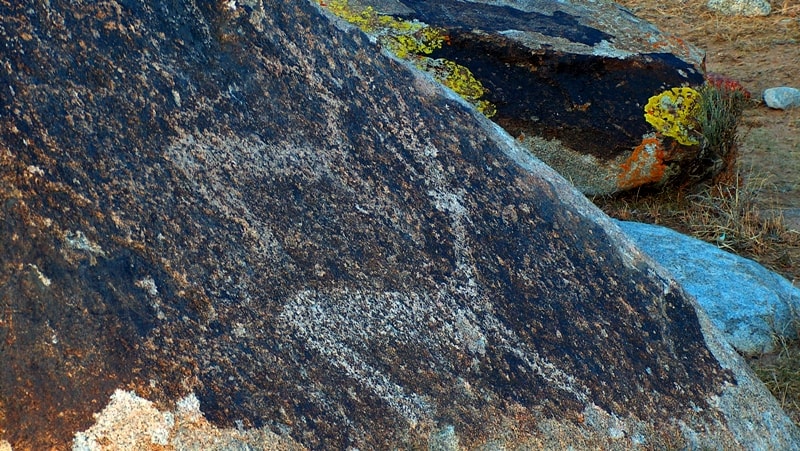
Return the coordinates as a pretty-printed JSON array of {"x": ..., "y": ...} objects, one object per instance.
[
  {"x": 780, "y": 374},
  {"x": 730, "y": 217}
]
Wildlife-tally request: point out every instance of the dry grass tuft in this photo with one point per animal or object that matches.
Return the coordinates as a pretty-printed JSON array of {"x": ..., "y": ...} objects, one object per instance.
[
  {"x": 779, "y": 373},
  {"x": 730, "y": 216},
  {"x": 745, "y": 33}
]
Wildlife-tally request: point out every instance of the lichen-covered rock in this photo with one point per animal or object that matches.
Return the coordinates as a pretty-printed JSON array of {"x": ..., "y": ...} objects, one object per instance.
[
  {"x": 244, "y": 203},
  {"x": 571, "y": 80}
]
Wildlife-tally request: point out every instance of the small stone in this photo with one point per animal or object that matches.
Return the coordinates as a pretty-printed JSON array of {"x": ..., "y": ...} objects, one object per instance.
[
  {"x": 782, "y": 97},
  {"x": 740, "y": 7}
]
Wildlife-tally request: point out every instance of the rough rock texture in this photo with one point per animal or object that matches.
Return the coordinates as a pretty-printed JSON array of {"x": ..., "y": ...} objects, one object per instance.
[
  {"x": 782, "y": 97},
  {"x": 246, "y": 202},
  {"x": 748, "y": 303},
  {"x": 792, "y": 218},
  {"x": 129, "y": 422},
  {"x": 741, "y": 7},
  {"x": 570, "y": 80}
]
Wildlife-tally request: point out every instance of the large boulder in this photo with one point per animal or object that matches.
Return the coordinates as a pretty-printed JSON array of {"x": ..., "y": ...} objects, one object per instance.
[
  {"x": 244, "y": 209},
  {"x": 750, "y": 304},
  {"x": 570, "y": 81}
]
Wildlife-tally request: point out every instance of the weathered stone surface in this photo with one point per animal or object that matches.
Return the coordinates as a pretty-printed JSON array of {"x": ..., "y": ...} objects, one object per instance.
[
  {"x": 247, "y": 202},
  {"x": 570, "y": 80},
  {"x": 751, "y": 305},
  {"x": 741, "y": 7},
  {"x": 132, "y": 423}
]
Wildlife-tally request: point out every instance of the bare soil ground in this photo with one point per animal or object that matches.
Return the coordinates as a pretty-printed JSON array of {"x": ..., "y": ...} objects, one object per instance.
[{"x": 759, "y": 52}]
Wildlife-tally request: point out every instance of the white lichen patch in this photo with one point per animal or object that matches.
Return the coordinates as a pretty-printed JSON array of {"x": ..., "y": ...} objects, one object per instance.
[
  {"x": 129, "y": 422},
  {"x": 77, "y": 240},
  {"x": 176, "y": 96},
  {"x": 148, "y": 284},
  {"x": 42, "y": 278},
  {"x": 239, "y": 331},
  {"x": 35, "y": 170}
]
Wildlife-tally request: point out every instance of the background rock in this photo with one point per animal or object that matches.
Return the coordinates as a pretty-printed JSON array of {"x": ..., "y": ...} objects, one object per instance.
[
  {"x": 570, "y": 80},
  {"x": 248, "y": 203},
  {"x": 741, "y": 7},
  {"x": 782, "y": 97},
  {"x": 748, "y": 303}
]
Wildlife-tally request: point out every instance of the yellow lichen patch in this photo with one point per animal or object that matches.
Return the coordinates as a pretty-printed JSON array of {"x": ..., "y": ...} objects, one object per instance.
[
  {"x": 673, "y": 113},
  {"x": 460, "y": 79},
  {"x": 644, "y": 166},
  {"x": 421, "y": 41},
  {"x": 413, "y": 40},
  {"x": 365, "y": 19},
  {"x": 403, "y": 37}
]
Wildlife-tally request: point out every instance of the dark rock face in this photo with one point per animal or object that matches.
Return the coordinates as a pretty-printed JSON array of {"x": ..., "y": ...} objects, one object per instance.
[
  {"x": 570, "y": 80},
  {"x": 249, "y": 203}
]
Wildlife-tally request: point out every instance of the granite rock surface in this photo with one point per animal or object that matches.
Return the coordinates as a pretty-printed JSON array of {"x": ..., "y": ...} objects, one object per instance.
[
  {"x": 750, "y": 304},
  {"x": 248, "y": 205}
]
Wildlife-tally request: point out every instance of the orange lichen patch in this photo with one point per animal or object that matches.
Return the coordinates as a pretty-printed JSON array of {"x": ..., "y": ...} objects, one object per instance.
[
  {"x": 670, "y": 42},
  {"x": 644, "y": 166}
]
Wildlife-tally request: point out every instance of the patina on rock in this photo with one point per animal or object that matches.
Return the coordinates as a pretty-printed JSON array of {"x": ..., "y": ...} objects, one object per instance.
[
  {"x": 245, "y": 208},
  {"x": 570, "y": 80}
]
